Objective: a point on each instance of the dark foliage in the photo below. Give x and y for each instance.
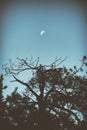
(55, 98)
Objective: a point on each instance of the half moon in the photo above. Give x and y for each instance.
(42, 32)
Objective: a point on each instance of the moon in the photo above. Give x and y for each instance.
(42, 33)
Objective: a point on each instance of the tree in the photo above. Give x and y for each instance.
(58, 94)
(18, 109)
(4, 120)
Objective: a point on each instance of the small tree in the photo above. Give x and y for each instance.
(59, 94)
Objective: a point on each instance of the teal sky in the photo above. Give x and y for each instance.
(64, 33)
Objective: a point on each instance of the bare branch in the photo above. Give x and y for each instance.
(21, 82)
(83, 63)
(61, 61)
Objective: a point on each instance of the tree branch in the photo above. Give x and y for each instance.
(67, 110)
(47, 94)
(21, 82)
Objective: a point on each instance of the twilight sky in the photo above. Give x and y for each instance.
(64, 32)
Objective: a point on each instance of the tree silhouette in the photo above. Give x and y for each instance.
(4, 119)
(55, 97)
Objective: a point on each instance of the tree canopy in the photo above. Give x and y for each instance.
(55, 98)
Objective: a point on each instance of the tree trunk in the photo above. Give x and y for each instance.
(42, 111)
